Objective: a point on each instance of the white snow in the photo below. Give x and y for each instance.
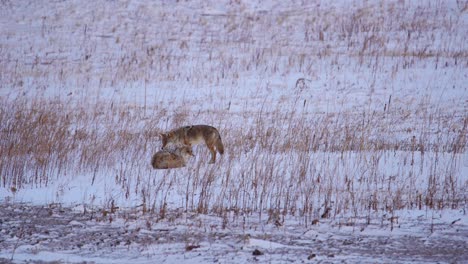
(369, 132)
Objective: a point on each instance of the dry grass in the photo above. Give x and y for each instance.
(284, 163)
(206, 48)
(279, 160)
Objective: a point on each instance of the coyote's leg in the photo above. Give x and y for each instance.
(213, 154)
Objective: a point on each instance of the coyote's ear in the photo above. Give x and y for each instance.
(162, 135)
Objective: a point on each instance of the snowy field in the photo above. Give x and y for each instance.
(344, 123)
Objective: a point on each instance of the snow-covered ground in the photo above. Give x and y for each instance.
(355, 108)
(55, 233)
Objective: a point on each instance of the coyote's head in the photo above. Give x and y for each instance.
(169, 138)
(186, 152)
(165, 138)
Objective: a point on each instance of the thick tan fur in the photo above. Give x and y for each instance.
(169, 159)
(193, 135)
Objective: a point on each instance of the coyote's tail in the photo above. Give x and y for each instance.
(219, 145)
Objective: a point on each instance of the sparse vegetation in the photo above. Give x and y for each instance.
(302, 152)
(340, 120)
(284, 163)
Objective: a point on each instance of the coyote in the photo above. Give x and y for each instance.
(193, 135)
(168, 159)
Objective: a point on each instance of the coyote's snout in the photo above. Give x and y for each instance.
(169, 159)
(192, 135)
